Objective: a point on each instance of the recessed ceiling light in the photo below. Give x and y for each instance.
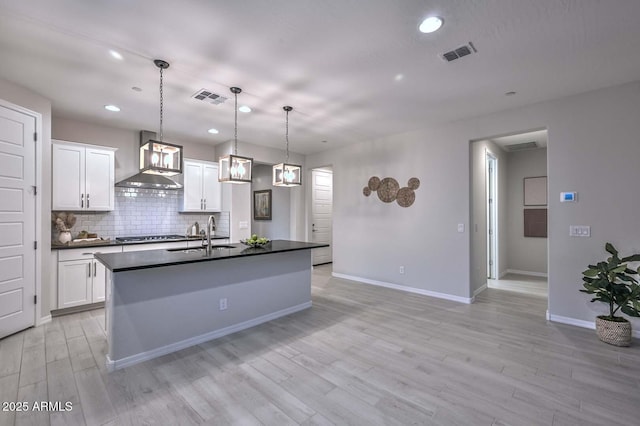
(323, 141)
(399, 77)
(244, 108)
(510, 93)
(116, 55)
(112, 108)
(136, 89)
(431, 24)
(213, 131)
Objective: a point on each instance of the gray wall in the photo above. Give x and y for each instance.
(524, 253)
(593, 149)
(479, 211)
(278, 226)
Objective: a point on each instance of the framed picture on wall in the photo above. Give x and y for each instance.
(535, 191)
(262, 205)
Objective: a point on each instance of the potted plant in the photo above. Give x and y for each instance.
(613, 282)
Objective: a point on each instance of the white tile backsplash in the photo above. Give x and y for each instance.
(144, 212)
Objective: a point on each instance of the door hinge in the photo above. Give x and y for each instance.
(35, 299)
(35, 136)
(35, 245)
(35, 190)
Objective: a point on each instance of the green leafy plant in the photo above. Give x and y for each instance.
(613, 282)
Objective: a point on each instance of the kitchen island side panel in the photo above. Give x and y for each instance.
(152, 310)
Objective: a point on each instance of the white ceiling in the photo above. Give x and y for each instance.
(334, 61)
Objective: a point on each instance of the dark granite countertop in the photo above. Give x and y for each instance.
(112, 243)
(118, 262)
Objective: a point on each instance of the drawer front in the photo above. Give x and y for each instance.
(85, 253)
(153, 246)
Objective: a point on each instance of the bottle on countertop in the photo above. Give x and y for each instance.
(195, 229)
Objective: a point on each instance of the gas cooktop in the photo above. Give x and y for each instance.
(143, 238)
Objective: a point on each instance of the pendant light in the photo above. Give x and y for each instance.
(285, 174)
(159, 157)
(233, 168)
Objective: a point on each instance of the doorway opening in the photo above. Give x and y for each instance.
(508, 251)
(322, 214)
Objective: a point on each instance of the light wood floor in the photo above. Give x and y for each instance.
(535, 286)
(362, 355)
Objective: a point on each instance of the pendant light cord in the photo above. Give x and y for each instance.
(235, 149)
(161, 102)
(287, 135)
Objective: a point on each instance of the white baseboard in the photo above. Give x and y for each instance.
(580, 323)
(117, 364)
(44, 320)
(445, 296)
(519, 272)
(479, 290)
(503, 273)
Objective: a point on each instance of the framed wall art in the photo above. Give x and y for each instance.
(262, 205)
(535, 191)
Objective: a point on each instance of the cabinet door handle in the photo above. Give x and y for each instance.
(87, 200)
(205, 204)
(95, 268)
(200, 203)
(82, 201)
(89, 265)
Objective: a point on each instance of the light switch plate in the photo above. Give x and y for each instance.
(579, 231)
(461, 227)
(243, 225)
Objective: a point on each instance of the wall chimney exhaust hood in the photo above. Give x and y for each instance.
(166, 154)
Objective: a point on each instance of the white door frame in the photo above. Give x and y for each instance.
(38, 207)
(491, 190)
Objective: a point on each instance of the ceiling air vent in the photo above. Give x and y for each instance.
(461, 51)
(209, 96)
(521, 146)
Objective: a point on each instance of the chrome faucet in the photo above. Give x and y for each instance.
(211, 223)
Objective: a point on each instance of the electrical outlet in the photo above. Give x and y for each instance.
(223, 303)
(402, 269)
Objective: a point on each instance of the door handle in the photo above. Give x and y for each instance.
(95, 268)
(205, 204)
(201, 204)
(87, 200)
(89, 265)
(82, 201)
(313, 227)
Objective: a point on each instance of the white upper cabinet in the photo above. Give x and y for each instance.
(83, 177)
(202, 191)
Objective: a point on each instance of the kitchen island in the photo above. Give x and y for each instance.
(161, 301)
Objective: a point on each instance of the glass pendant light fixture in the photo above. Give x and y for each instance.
(234, 168)
(159, 157)
(285, 174)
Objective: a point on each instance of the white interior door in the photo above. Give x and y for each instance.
(492, 215)
(321, 216)
(17, 221)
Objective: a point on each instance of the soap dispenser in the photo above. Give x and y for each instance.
(195, 229)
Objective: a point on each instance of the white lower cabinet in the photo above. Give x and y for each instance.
(81, 278)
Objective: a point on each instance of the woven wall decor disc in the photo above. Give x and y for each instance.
(366, 191)
(388, 190)
(374, 183)
(414, 183)
(405, 197)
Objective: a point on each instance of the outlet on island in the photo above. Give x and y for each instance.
(223, 303)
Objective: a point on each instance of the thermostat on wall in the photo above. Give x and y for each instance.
(568, 197)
